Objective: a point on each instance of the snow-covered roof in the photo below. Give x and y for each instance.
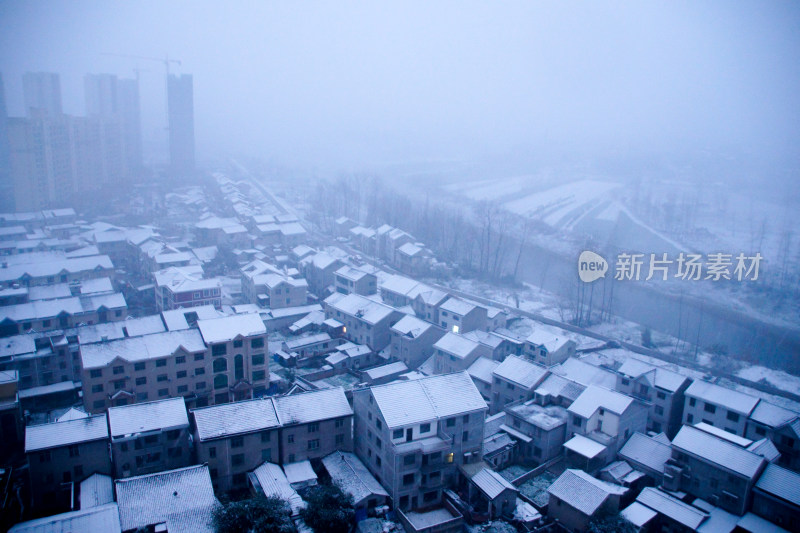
(404, 403)
(142, 348)
(132, 327)
(638, 514)
(103, 518)
(457, 306)
(732, 400)
(457, 345)
(752, 522)
(96, 490)
(781, 483)
(143, 417)
(57, 434)
(378, 372)
(766, 449)
(585, 374)
(772, 415)
(544, 417)
(582, 491)
(183, 499)
(235, 418)
(725, 435)
(491, 483)
(350, 474)
(584, 446)
(75, 305)
(521, 371)
(429, 295)
(312, 406)
(362, 308)
(482, 369)
(73, 413)
(299, 472)
(409, 249)
(351, 273)
(273, 482)
(399, 284)
(718, 451)
(56, 265)
(227, 328)
(411, 326)
(549, 337)
(594, 398)
(666, 505)
(175, 319)
(647, 451)
(486, 338)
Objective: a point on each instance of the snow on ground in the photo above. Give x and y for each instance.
(776, 378)
(558, 206)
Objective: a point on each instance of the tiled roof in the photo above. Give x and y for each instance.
(104, 518)
(582, 491)
(718, 451)
(56, 434)
(147, 416)
(312, 406)
(520, 371)
(133, 349)
(736, 401)
(182, 498)
(227, 328)
(673, 508)
(646, 451)
(96, 490)
(781, 483)
(347, 471)
(235, 418)
(772, 415)
(456, 345)
(491, 483)
(594, 398)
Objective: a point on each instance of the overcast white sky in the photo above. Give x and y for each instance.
(345, 82)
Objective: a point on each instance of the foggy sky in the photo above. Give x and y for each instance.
(324, 83)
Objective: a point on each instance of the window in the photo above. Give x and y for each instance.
(97, 388)
(692, 402)
(340, 423)
(659, 410)
(465, 419)
(761, 430)
(451, 422)
(162, 378)
(119, 370)
(690, 418)
(183, 388)
(237, 459)
(313, 444)
(290, 439)
(212, 452)
(78, 471)
(509, 386)
(163, 392)
(220, 381)
(99, 404)
(339, 440)
(44, 457)
(219, 349)
(537, 452)
(424, 428)
(448, 458)
(200, 385)
(139, 366)
(237, 442)
(265, 436)
(378, 423)
(733, 417)
(577, 421)
(161, 362)
(238, 366)
(257, 342)
(465, 436)
(661, 396)
(409, 459)
(199, 371)
(378, 442)
(408, 479)
(237, 343)
(258, 359)
(118, 384)
(141, 396)
(199, 356)
(430, 496)
(181, 359)
(710, 408)
(181, 374)
(313, 427)
(141, 381)
(266, 454)
(397, 434)
(378, 460)
(220, 365)
(259, 375)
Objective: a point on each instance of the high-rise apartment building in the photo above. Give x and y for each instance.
(180, 107)
(42, 93)
(6, 187)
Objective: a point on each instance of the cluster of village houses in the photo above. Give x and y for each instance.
(309, 358)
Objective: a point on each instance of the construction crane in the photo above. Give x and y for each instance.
(166, 60)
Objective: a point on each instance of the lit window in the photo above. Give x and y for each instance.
(455, 329)
(449, 458)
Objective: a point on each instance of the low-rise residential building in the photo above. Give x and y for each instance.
(234, 438)
(662, 389)
(714, 469)
(149, 437)
(606, 417)
(500, 346)
(427, 301)
(11, 427)
(178, 287)
(365, 321)
(349, 356)
(279, 291)
(540, 431)
(576, 497)
(549, 346)
(454, 353)
(349, 473)
(412, 435)
(514, 380)
(100, 518)
(311, 345)
(319, 269)
(659, 511)
(177, 500)
(776, 497)
(459, 316)
(351, 280)
(413, 339)
(481, 373)
(61, 313)
(400, 291)
(269, 480)
(62, 453)
(647, 454)
(53, 268)
(781, 426)
(718, 406)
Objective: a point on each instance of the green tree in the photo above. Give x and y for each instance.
(329, 510)
(257, 515)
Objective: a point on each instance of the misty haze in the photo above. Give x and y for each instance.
(399, 266)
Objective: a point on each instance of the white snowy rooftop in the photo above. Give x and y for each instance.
(594, 398)
(585, 374)
(520, 371)
(582, 491)
(352, 476)
(405, 403)
(273, 482)
(647, 451)
(103, 518)
(584, 446)
(732, 400)
(411, 326)
(457, 345)
(312, 406)
(457, 306)
(664, 504)
(224, 329)
(482, 369)
(235, 418)
(142, 348)
(362, 308)
(147, 416)
(718, 451)
(549, 337)
(56, 434)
